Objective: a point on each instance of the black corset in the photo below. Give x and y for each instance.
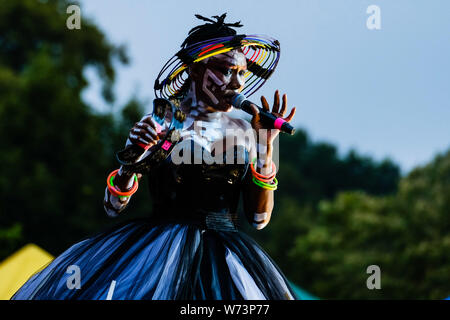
(206, 195)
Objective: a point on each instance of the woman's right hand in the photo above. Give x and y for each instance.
(145, 132)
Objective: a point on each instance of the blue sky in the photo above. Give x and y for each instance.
(382, 92)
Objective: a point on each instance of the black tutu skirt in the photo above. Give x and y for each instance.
(161, 262)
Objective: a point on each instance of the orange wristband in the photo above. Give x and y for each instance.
(114, 190)
(265, 178)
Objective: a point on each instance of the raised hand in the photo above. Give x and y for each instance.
(257, 124)
(145, 132)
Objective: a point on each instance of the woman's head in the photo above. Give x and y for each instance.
(215, 80)
(215, 63)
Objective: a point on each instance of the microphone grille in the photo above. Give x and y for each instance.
(237, 100)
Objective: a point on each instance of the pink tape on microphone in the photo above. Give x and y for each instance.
(278, 123)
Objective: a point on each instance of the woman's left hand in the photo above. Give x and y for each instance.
(257, 124)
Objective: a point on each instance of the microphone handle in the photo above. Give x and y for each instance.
(268, 118)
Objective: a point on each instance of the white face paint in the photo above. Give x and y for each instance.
(192, 95)
(213, 82)
(209, 75)
(233, 58)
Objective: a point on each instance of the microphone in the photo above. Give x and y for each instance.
(240, 101)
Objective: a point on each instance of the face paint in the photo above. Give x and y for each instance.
(221, 77)
(214, 81)
(192, 95)
(233, 58)
(209, 75)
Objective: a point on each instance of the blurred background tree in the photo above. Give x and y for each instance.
(406, 234)
(56, 151)
(334, 215)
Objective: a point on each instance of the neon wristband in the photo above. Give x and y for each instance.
(115, 191)
(259, 175)
(267, 186)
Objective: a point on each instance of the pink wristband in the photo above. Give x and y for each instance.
(278, 123)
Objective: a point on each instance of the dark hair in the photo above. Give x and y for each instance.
(171, 83)
(211, 30)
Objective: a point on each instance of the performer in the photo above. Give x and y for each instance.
(190, 247)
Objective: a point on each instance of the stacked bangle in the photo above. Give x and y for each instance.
(272, 186)
(115, 191)
(264, 178)
(265, 181)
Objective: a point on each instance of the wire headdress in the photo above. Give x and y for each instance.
(212, 38)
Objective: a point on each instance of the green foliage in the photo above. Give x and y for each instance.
(55, 151)
(405, 234)
(9, 238)
(311, 171)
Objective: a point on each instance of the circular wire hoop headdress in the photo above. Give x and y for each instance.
(262, 55)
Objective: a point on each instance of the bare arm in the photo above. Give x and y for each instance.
(144, 132)
(259, 202)
(114, 205)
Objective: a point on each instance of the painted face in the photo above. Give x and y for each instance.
(219, 79)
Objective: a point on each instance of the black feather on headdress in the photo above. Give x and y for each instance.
(210, 30)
